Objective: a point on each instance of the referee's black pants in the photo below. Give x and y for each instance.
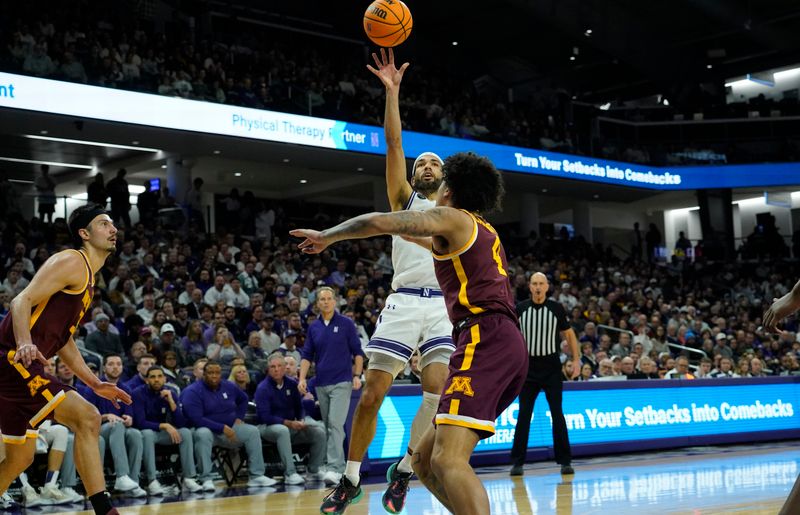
(544, 373)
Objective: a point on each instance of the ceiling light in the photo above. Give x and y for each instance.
(587, 32)
(605, 107)
(50, 163)
(20, 181)
(595, 196)
(455, 43)
(544, 190)
(90, 143)
(285, 159)
(42, 132)
(163, 166)
(134, 142)
(238, 174)
(709, 66)
(303, 181)
(572, 58)
(216, 152)
(360, 169)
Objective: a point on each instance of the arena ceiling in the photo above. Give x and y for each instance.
(621, 48)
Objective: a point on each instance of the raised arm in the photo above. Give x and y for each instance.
(398, 188)
(450, 229)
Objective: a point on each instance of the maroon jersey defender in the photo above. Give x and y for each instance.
(29, 396)
(488, 368)
(490, 363)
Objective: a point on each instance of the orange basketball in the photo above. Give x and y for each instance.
(387, 22)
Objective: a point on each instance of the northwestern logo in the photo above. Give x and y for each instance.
(7, 91)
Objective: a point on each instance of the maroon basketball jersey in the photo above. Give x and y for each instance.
(474, 278)
(53, 320)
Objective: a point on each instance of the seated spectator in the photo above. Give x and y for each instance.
(704, 369)
(648, 368)
(192, 344)
(124, 440)
(224, 349)
(103, 341)
(269, 340)
(628, 370)
(725, 368)
(142, 366)
(742, 368)
(566, 370)
(681, 370)
(173, 373)
(167, 343)
(586, 372)
(216, 409)
(161, 421)
(197, 369)
(606, 368)
(289, 345)
(241, 378)
(281, 420)
(291, 367)
(254, 355)
(757, 368)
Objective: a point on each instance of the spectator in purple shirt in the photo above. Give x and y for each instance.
(216, 408)
(157, 414)
(332, 344)
(281, 421)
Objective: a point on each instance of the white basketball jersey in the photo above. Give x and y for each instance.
(413, 265)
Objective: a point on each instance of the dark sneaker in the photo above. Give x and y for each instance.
(517, 470)
(394, 498)
(341, 497)
(567, 469)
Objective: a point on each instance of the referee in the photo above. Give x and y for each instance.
(544, 325)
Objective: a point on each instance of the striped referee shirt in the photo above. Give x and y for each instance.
(541, 325)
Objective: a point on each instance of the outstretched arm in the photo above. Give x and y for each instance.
(781, 308)
(450, 227)
(397, 187)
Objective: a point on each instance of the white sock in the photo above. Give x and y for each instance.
(422, 421)
(405, 463)
(352, 472)
(54, 479)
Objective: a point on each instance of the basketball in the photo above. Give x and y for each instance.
(387, 22)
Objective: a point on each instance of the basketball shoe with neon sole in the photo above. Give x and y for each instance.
(341, 497)
(394, 498)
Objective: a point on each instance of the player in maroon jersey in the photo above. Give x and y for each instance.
(489, 366)
(40, 324)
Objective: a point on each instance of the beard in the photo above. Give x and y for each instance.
(427, 188)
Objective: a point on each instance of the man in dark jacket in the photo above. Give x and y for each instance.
(281, 420)
(216, 408)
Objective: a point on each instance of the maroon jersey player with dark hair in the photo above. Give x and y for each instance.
(40, 324)
(488, 368)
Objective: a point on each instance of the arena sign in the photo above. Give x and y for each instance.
(64, 98)
(628, 415)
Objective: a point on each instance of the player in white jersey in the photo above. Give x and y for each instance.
(413, 319)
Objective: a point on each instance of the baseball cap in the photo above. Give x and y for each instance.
(166, 328)
(721, 336)
(290, 332)
(101, 316)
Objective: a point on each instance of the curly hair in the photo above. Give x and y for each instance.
(475, 183)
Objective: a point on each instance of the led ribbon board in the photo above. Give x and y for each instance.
(65, 98)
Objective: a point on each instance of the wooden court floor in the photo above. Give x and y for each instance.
(697, 481)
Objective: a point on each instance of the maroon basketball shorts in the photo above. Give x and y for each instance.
(487, 372)
(27, 398)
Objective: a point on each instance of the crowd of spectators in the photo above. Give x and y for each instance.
(113, 47)
(177, 299)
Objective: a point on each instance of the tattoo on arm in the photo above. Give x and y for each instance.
(407, 223)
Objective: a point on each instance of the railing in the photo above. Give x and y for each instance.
(615, 329)
(690, 350)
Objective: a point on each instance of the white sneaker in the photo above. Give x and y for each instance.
(125, 484)
(7, 502)
(208, 486)
(155, 488)
(191, 485)
(73, 495)
(31, 498)
(259, 481)
(332, 478)
(136, 492)
(294, 479)
(51, 493)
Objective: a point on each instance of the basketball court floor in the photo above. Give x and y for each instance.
(741, 480)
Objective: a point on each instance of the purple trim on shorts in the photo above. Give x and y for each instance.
(440, 341)
(392, 346)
